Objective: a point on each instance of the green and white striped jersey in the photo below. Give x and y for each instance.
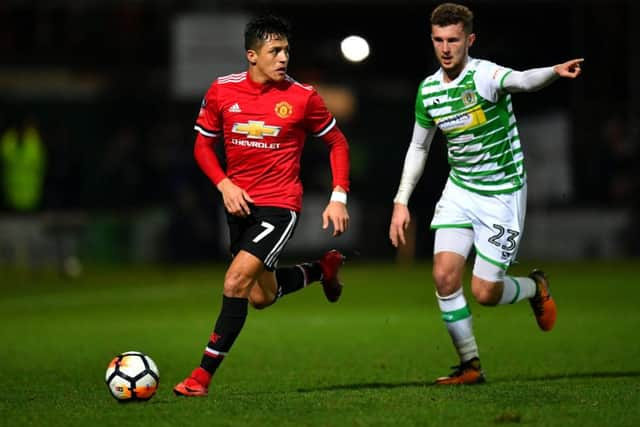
(476, 116)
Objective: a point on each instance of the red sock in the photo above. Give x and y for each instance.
(202, 376)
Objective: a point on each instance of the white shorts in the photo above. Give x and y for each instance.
(497, 221)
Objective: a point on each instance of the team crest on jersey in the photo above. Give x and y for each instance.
(469, 97)
(283, 109)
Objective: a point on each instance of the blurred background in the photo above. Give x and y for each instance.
(98, 100)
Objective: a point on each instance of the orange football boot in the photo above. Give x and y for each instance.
(467, 373)
(542, 304)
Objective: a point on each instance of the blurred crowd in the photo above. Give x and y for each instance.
(88, 122)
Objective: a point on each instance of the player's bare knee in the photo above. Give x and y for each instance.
(447, 280)
(237, 285)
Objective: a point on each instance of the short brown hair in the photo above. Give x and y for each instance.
(451, 14)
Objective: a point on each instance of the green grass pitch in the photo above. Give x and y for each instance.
(368, 360)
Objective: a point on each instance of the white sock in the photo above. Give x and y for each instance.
(516, 289)
(457, 317)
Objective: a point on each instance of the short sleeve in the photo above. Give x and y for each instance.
(422, 118)
(489, 79)
(208, 122)
(318, 119)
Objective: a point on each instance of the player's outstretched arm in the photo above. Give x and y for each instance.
(538, 78)
(570, 69)
(336, 212)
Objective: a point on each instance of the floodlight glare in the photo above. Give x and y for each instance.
(354, 48)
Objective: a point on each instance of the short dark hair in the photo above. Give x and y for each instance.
(452, 14)
(259, 29)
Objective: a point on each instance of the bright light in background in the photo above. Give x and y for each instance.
(354, 48)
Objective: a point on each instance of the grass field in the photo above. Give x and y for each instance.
(368, 360)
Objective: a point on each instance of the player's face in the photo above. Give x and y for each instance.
(270, 60)
(451, 46)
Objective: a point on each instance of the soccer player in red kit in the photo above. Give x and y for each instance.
(263, 116)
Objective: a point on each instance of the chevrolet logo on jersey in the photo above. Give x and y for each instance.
(255, 129)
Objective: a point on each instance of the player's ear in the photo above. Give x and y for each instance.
(252, 56)
(471, 38)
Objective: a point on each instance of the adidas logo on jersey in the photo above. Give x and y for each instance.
(235, 108)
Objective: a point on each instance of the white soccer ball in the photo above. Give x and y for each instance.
(132, 376)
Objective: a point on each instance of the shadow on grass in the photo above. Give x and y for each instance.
(556, 377)
(571, 375)
(363, 386)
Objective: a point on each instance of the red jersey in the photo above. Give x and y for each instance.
(264, 128)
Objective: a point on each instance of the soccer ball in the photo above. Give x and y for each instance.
(132, 376)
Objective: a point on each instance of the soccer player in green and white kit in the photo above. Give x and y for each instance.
(484, 200)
